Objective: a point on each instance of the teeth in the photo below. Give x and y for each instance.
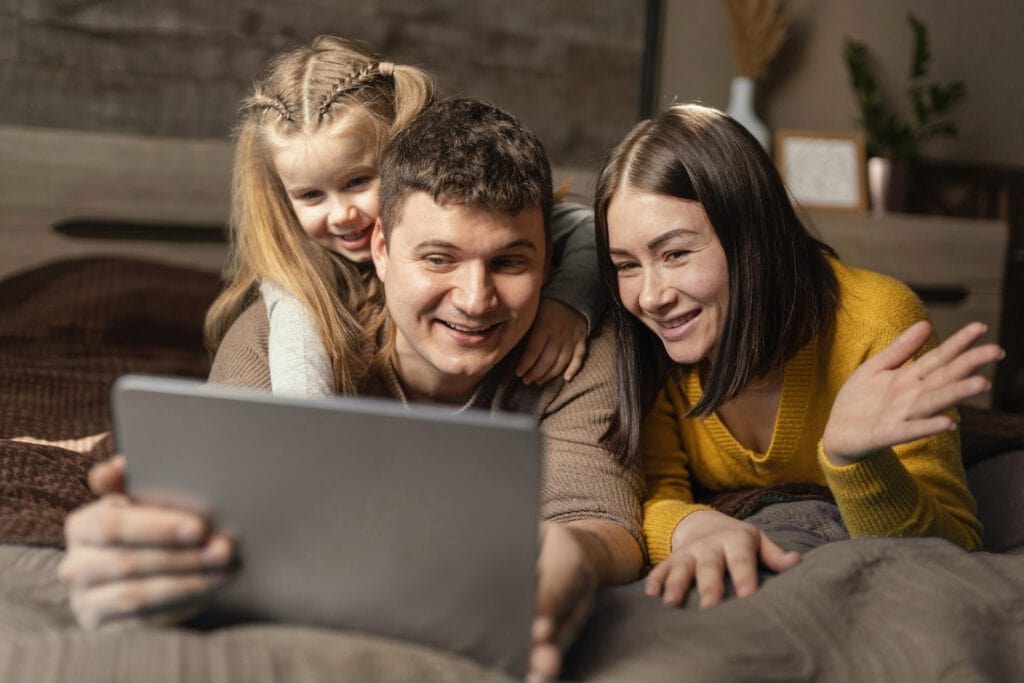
(469, 330)
(353, 236)
(676, 322)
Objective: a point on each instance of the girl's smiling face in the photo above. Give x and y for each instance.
(331, 179)
(672, 271)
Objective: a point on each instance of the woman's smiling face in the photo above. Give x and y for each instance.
(672, 271)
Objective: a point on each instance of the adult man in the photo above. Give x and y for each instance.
(461, 248)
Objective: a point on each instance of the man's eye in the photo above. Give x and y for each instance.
(437, 260)
(510, 263)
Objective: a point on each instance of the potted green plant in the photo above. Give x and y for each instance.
(894, 140)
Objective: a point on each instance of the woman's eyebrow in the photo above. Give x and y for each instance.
(666, 236)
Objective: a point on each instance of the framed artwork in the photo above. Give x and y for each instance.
(823, 169)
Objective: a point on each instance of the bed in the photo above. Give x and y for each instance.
(72, 321)
(869, 609)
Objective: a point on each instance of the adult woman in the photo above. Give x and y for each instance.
(779, 364)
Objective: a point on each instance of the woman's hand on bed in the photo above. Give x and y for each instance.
(126, 559)
(888, 401)
(707, 545)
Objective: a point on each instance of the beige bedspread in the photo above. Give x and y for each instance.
(866, 610)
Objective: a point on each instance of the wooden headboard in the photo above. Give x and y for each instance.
(48, 176)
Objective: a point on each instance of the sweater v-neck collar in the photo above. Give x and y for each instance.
(789, 419)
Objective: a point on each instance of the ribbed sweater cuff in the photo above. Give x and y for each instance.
(876, 495)
(660, 520)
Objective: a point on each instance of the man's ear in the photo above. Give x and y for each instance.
(379, 250)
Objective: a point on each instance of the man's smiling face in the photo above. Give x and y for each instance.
(462, 286)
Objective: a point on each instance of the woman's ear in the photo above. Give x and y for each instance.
(379, 250)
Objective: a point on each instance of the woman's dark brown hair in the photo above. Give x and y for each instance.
(781, 288)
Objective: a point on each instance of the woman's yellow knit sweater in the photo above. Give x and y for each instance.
(913, 489)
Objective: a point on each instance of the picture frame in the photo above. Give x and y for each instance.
(823, 170)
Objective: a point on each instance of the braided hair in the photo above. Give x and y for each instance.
(307, 90)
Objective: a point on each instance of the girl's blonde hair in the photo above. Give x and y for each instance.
(306, 90)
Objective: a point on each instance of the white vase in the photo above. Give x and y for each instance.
(879, 182)
(741, 108)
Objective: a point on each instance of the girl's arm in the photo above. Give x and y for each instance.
(573, 299)
(299, 364)
(574, 279)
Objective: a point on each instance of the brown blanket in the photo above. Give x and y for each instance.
(67, 331)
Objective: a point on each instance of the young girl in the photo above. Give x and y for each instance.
(305, 203)
(776, 363)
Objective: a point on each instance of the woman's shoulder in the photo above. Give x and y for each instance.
(871, 303)
(868, 281)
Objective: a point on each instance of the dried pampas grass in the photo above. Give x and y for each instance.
(757, 29)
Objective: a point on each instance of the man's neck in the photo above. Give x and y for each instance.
(419, 388)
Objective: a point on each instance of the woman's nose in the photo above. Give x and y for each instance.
(655, 293)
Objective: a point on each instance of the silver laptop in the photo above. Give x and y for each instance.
(354, 513)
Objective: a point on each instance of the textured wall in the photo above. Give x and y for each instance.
(569, 68)
(808, 86)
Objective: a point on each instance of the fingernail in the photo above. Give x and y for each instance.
(190, 531)
(543, 629)
(217, 553)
